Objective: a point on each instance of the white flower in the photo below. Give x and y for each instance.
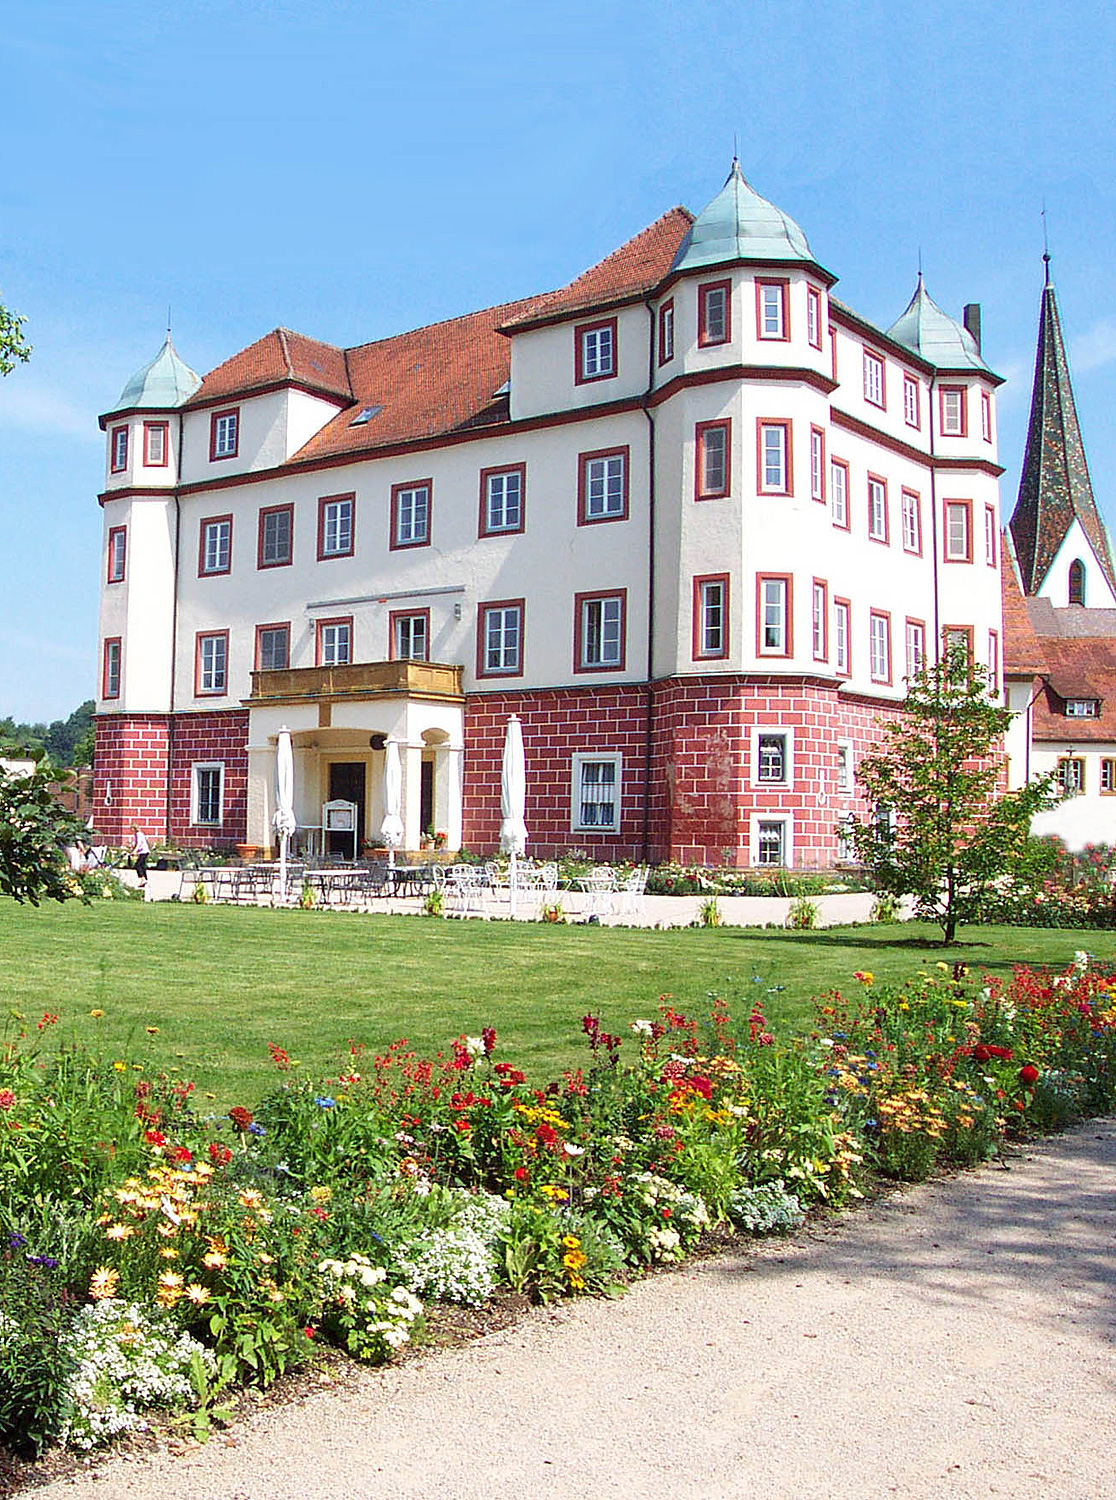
(571, 1150)
(825, 1041)
(474, 1046)
(1081, 960)
(643, 1028)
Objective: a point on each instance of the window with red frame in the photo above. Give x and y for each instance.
(713, 447)
(772, 312)
(117, 553)
(912, 413)
(912, 523)
(118, 450)
(711, 617)
(714, 313)
(874, 388)
(666, 332)
(154, 445)
(595, 351)
(953, 410)
(110, 672)
(817, 465)
(813, 317)
(958, 531)
(879, 641)
(224, 434)
(986, 416)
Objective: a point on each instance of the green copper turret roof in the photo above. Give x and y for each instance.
(929, 331)
(165, 382)
(1054, 487)
(740, 225)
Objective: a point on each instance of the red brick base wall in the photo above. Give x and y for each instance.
(130, 775)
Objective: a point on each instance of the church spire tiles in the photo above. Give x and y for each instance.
(1054, 489)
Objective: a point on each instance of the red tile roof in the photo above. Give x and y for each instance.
(1023, 650)
(1078, 668)
(278, 357)
(629, 272)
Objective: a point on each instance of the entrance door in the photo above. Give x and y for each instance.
(346, 784)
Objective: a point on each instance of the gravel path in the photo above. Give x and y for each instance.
(954, 1341)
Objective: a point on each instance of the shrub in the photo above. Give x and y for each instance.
(35, 1360)
(766, 1210)
(361, 1313)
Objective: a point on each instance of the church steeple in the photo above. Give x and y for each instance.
(1055, 488)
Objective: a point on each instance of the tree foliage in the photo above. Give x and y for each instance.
(14, 348)
(941, 828)
(68, 742)
(34, 830)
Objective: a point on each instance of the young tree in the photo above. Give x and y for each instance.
(14, 348)
(940, 830)
(34, 830)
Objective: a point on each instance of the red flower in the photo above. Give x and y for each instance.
(521, 1174)
(154, 1137)
(309, 1330)
(280, 1058)
(219, 1155)
(488, 1037)
(1028, 1075)
(240, 1117)
(7, 1098)
(182, 1153)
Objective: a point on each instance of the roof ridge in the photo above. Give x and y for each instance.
(388, 338)
(679, 208)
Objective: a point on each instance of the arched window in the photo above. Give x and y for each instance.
(1077, 582)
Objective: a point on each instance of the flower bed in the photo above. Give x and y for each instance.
(155, 1256)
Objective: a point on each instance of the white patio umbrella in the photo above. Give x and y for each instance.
(284, 820)
(513, 801)
(391, 829)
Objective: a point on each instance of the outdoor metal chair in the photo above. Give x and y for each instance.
(631, 895)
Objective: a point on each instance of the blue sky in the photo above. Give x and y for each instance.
(354, 169)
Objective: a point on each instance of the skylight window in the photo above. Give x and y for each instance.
(365, 415)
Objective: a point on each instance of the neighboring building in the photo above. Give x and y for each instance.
(690, 517)
(1060, 610)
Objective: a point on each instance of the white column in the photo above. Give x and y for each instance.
(412, 794)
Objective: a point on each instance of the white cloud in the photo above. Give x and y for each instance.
(26, 405)
(1097, 347)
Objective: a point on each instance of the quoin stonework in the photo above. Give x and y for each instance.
(690, 517)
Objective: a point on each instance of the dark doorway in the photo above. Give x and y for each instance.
(426, 798)
(346, 784)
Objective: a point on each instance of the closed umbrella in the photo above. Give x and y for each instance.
(513, 801)
(391, 829)
(284, 820)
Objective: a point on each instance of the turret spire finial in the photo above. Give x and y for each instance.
(1045, 245)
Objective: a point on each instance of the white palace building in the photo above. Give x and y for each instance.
(692, 519)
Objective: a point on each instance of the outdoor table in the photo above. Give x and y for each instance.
(599, 887)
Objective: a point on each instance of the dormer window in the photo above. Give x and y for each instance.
(118, 450)
(595, 351)
(1082, 708)
(224, 434)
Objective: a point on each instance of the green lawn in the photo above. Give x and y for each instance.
(220, 983)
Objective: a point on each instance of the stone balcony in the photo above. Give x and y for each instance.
(357, 681)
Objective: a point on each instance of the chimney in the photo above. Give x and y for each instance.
(971, 319)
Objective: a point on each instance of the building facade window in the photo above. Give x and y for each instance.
(874, 390)
(916, 647)
(595, 351)
(273, 647)
(335, 526)
(771, 842)
(879, 641)
(839, 493)
(595, 800)
(711, 603)
(713, 447)
(772, 310)
(817, 465)
(502, 500)
(842, 614)
(776, 476)
(211, 669)
(410, 514)
(912, 405)
(773, 615)
(1071, 775)
(666, 332)
(224, 434)
(714, 313)
(599, 631)
(1107, 776)
(110, 667)
(990, 548)
(155, 445)
(986, 416)
(819, 619)
(993, 661)
(275, 542)
(813, 317)
(957, 638)
(207, 793)
(117, 553)
(409, 635)
(958, 531)
(602, 486)
(215, 545)
(774, 757)
(878, 527)
(912, 523)
(500, 638)
(118, 450)
(953, 411)
(1082, 708)
(334, 642)
(845, 768)
(1077, 582)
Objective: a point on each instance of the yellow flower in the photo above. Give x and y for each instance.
(944, 967)
(571, 1241)
(250, 1198)
(168, 1289)
(120, 1067)
(119, 1231)
(321, 1194)
(103, 1282)
(168, 1252)
(152, 1030)
(96, 1014)
(197, 1294)
(215, 1260)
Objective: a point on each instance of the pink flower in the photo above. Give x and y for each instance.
(7, 1098)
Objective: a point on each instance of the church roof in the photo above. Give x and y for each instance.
(163, 383)
(1054, 488)
(740, 225)
(929, 331)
